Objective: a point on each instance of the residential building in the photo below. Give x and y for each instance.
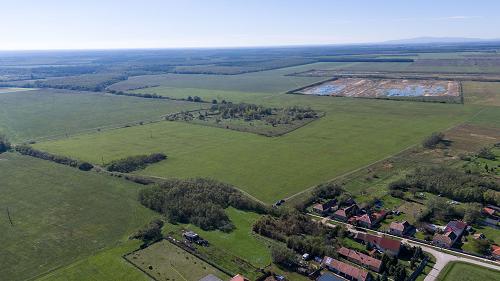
(346, 270)
(361, 259)
(368, 220)
(239, 278)
(325, 207)
(345, 213)
(382, 243)
(400, 228)
(495, 251)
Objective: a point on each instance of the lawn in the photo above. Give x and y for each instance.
(40, 113)
(354, 132)
(241, 242)
(166, 261)
(60, 215)
(458, 271)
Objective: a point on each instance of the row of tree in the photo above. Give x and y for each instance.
(198, 201)
(451, 183)
(133, 163)
(28, 150)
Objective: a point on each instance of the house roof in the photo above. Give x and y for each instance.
(401, 226)
(239, 278)
(360, 257)
(379, 215)
(495, 250)
(447, 238)
(346, 269)
(330, 277)
(489, 211)
(455, 226)
(340, 212)
(382, 242)
(319, 206)
(365, 218)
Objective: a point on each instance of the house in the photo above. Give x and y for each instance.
(210, 277)
(324, 208)
(445, 240)
(368, 220)
(330, 277)
(456, 227)
(345, 213)
(346, 270)
(400, 228)
(361, 259)
(495, 251)
(488, 212)
(382, 243)
(239, 278)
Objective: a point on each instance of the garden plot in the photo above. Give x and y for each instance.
(384, 88)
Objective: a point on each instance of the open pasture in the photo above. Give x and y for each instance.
(60, 215)
(353, 133)
(386, 88)
(459, 271)
(57, 113)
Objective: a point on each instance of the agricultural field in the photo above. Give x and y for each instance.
(59, 215)
(165, 261)
(467, 272)
(352, 133)
(483, 93)
(43, 113)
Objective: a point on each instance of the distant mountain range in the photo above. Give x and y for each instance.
(427, 40)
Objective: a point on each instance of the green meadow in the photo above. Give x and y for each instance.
(54, 113)
(60, 215)
(353, 133)
(459, 271)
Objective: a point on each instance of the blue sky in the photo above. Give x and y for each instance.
(69, 24)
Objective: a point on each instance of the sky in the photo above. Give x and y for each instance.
(110, 24)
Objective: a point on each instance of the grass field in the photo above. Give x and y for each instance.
(458, 271)
(241, 242)
(483, 93)
(60, 215)
(166, 261)
(106, 265)
(353, 133)
(40, 113)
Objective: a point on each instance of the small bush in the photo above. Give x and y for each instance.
(85, 166)
(433, 140)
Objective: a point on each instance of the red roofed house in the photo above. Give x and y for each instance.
(346, 270)
(488, 211)
(324, 208)
(400, 228)
(345, 213)
(239, 278)
(452, 232)
(385, 244)
(369, 221)
(495, 251)
(361, 259)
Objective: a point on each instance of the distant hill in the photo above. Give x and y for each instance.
(427, 40)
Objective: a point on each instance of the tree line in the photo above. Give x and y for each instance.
(133, 163)
(198, 201)
(28, 150)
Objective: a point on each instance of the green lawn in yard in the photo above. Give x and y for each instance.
(60, 215)
(459, 271)
(166, 261)
(241, 242)
(354, 132)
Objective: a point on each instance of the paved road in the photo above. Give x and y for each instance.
(442, 258)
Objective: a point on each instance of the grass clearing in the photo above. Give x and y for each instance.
(60, 215)
(459, 271)
(483, 93)
(166, 261)
(353, 133)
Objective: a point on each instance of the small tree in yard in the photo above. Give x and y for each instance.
(433, 140)
(283, 256)
(150, 232)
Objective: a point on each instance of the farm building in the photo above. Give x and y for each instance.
(400, 228)
(361, 259)
(385, 244)
(346, 270)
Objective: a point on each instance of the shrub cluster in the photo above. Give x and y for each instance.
(197, 201)
(451, 183)
(150, 232)
(134, 163)
(4, 144)
(433, 140)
